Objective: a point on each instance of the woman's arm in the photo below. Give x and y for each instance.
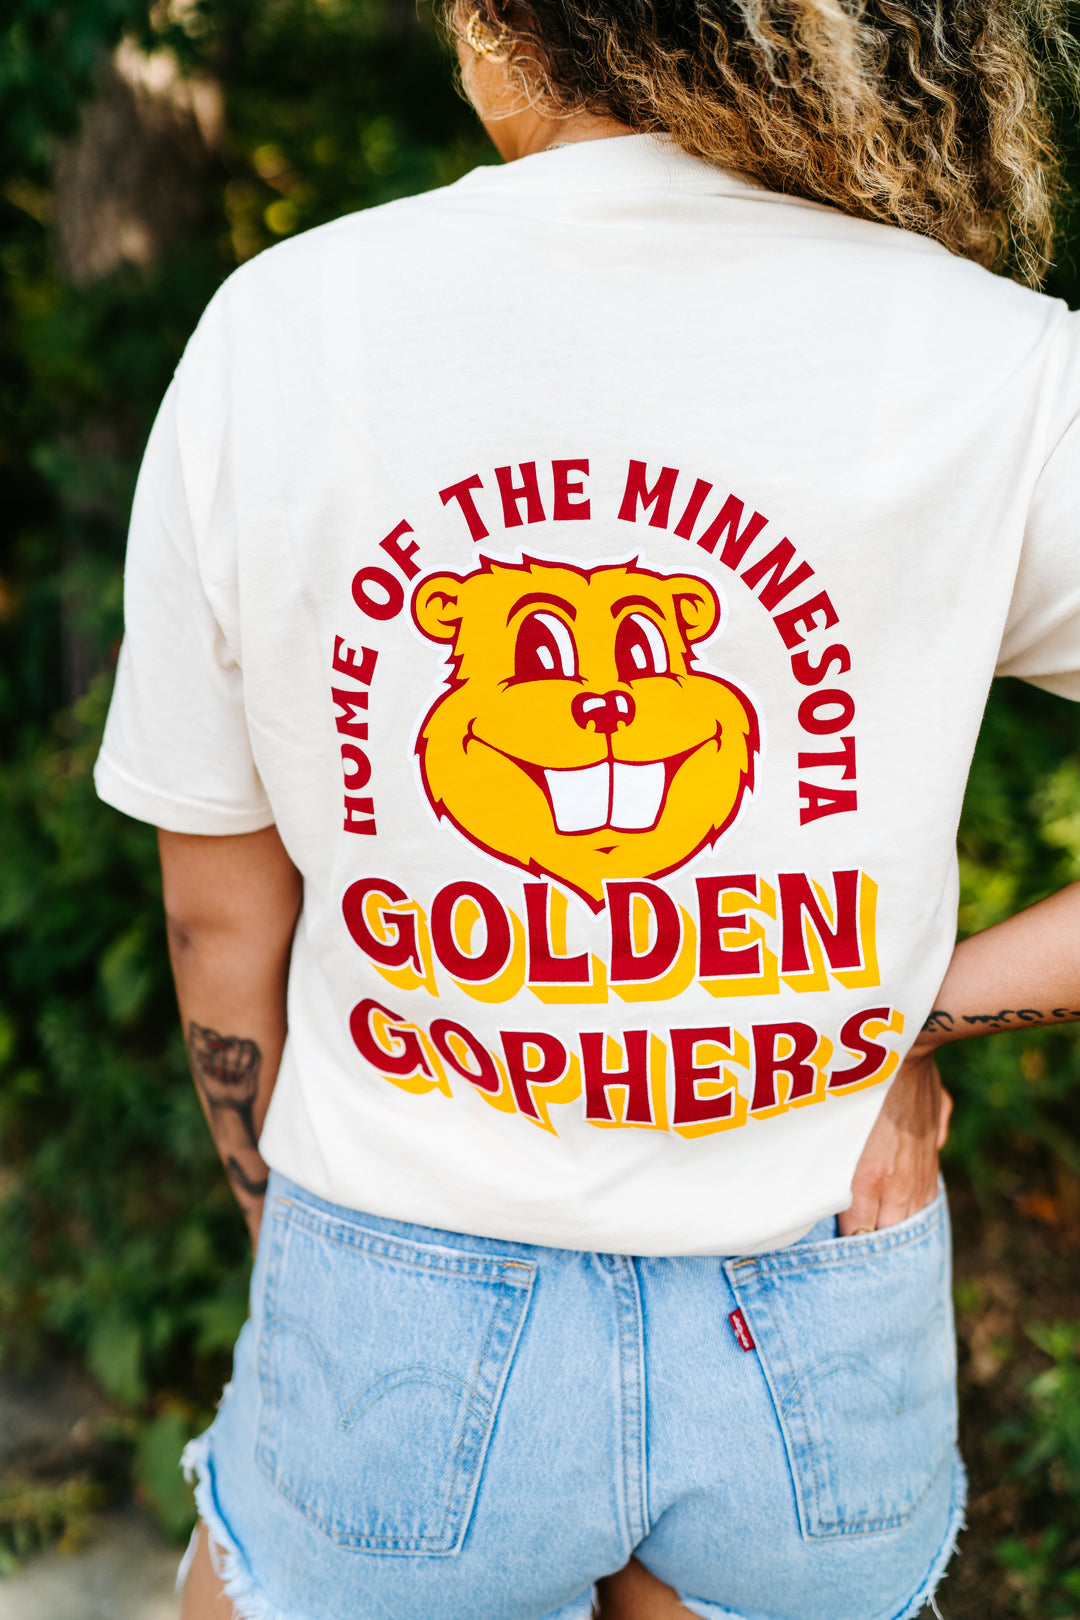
(231, 906)
(1021, 972)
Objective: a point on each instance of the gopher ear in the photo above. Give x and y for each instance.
(697, 606)
(436, 606)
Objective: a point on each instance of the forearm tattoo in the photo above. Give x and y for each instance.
(945, 1022)
(226, 1070)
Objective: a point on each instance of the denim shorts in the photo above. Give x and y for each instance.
(428, 1426)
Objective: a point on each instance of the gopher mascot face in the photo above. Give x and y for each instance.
(576, 738)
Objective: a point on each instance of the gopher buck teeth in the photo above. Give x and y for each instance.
(611, 794)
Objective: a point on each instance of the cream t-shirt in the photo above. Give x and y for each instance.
(596, 570)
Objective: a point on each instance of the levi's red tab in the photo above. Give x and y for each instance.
(741, 1331)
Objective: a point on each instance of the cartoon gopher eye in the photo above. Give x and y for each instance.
(544, 650)
(640, 648)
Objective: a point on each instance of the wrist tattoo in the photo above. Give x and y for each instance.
(226, 1070)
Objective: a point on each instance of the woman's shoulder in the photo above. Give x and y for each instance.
(373, 260)
(398, 225)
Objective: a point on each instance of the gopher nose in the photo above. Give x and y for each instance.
(605, 712)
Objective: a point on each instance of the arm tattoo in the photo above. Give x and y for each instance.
(240, 1178)
(226, 1070)
(939, 1019)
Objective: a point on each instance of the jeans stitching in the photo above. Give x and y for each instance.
(404, 1252)
(804, 1446)
(631, 1379)
(794, 1429)
(501, 1300)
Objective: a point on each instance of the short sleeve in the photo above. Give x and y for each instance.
(176, 750)
(1041, 643)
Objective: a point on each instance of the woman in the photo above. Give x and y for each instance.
(560, 612)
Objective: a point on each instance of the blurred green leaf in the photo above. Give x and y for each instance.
(114, 1356)
(127, 975)
(158, 1476)
(218, 1323)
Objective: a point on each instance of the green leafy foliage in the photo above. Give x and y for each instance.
(119, 1240)
(1045, 1566)
(1043, 1589)
(1053, 1402)
(157, 1473)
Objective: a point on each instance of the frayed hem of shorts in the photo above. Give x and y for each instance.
(925, 1595)
(229, 1564)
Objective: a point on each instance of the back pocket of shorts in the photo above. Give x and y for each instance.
(381, 1366)
(856, 1340)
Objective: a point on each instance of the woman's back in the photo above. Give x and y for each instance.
(617, 556)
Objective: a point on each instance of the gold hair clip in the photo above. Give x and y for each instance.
(479, 37)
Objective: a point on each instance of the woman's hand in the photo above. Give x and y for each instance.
(1020, 973)
(898, 1172)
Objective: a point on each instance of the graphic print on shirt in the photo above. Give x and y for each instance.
(581, 740)
(578, 738)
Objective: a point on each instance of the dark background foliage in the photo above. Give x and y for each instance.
(145, 150)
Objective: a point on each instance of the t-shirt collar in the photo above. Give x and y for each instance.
(615, 162)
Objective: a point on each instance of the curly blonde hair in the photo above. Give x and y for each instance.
(933, 115)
